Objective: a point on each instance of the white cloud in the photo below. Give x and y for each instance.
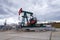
(12, 20)
(42, 9)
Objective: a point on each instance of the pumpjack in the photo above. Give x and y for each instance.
(31, 22)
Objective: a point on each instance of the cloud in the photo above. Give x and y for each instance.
(42, 9)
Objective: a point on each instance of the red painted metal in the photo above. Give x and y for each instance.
(20, 11)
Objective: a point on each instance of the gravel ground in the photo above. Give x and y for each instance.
(14, 35)
(56, 35)
(10, 35)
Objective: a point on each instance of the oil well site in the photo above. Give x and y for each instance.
(29, 19)
(29, 23)
(30, 30)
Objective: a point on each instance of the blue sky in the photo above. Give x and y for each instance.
(44, 10)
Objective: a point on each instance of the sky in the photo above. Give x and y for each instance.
(43, 10)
